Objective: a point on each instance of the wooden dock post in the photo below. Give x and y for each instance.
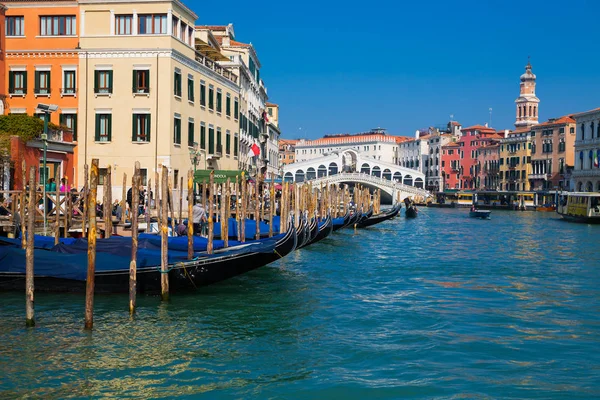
(223, 218)
(272, 207)
(67, 212)
(57, 212)
(238, 208)
(244, 195)
(29, 286)
(164, 234)
(23, 200)
(209, 247)
(85, 195)
(257, 207)
(124, 198)
(135, 201)
(227, 212)
(190, 219)
(180, 201)
(107, 207)
(91, 267)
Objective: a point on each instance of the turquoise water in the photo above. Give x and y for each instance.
(439, 307)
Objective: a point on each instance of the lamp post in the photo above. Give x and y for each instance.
(195, 155)
(46, 109)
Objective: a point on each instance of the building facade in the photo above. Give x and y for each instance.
(451, 165)
(414, 153)
(151, 92)
(376, 144)
(438, 138)
(487, 168)
(287, 151)
(552, 153)
(527, 104)
(586, 174)
(42, 66)
(470, 140)
(515, 160)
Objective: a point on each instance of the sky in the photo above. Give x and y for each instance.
(347, 67)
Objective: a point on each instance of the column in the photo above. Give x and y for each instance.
(82, 24)
(170, 22)
(112, 22)
(134, 23)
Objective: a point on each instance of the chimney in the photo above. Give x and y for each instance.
(486, 125)
(506, 131)
(417, 134)
(226, 41)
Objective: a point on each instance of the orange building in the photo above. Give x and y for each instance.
(41, 62)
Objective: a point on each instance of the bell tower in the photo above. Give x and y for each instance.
(527, 103)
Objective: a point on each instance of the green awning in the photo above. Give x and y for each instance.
(220, 175)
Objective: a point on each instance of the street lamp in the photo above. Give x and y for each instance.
(195, 155)
(46, 109)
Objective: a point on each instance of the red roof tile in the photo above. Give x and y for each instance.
(478, 128)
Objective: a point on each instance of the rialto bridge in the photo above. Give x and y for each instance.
(349, 167)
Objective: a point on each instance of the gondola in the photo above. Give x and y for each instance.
(339, 223)
(375, 219)
(313, 231)
(411, 212)
(354, 218)
(58, 272)
(325, 229)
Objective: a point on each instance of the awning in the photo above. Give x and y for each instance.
(220, 175)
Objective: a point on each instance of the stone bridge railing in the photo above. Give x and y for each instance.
(391, 187)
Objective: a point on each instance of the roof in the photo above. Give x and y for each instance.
(478, 128)
(566, 119)
(451, 144)
(455, 123)
(213, 27)
(235, 43)
(271, 104)
(401, 139)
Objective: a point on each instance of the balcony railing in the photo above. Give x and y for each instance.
(207, 62)
(140, 90)
(41, 92)
(537, 176)
(68, 92)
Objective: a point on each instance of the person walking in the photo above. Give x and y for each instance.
(198, 218)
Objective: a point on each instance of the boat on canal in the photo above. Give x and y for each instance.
(383, 216)
(481, 214)
(579, 207)
(411, 212)
(546, 208)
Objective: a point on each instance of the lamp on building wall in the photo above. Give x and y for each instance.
(195, 155)
(46, 109)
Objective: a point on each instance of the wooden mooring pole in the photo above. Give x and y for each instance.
(91, 268)
(23, 199)
(190, 218)
(164, 233)
(211, 184)
(135, 200)
(107, 207)
(29, 287)
(84, 195)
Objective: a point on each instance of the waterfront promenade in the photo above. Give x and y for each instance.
(407, 309)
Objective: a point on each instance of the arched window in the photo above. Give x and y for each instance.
(582, 132)
(519, 107)
(397, 177)
(288, 177)
(333, 168)
(387, 174)
(419, 183)
(299, 176)
(408, 180)
(321, 171)
(365, 169)
(535, 111)
(530, 114)
(377, 171)
(592, 129)
(310, 174)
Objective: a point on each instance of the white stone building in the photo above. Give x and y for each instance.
(586, 175)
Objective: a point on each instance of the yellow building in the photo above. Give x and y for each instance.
(151, 91)
(515, 160)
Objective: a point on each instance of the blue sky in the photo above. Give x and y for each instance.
(344, 66)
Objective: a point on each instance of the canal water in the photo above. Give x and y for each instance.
(442, 306)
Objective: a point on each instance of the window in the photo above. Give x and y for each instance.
(177, 83)
(270, 112)
(123, 24)
(571, 130)
(70, 121)
(177, 129)
(141, 128)
(152, 24)
(561, 145)
(219, 99)
(15, 26)
(235, 147)
(102, 172)
(227, 142)
(141, 81)
(219, 145)
(202, 93)
(211, 140)
(228, 105)
(202, 136)
(103, 82)
(561, 130)
(68, 83)
(211, 94)
(17, 82)
(42, 83)
(191, 88)
(191, 133)
(175, 178)
(235, 108)
(103, 127)
(58, 25)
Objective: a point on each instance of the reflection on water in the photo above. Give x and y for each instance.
(442, 306)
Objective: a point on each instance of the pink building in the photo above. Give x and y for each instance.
(451, 165)
(471, 139)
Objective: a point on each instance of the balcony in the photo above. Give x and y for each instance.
(140, 91)
(536, 176)
(210, 64)
(217, 154)
(68, 92)
(41, 92)
(103, 91)
(17, 92)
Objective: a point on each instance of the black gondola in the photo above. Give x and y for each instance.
(375, 219)
(411, 212)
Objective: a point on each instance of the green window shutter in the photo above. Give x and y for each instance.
(235, 147)
(110, 84)
(148, 127)
(61, 119)
(36, 81)
(203, 137)
(211, 141)
(96, 81)
(25, 82)
(49, 81)
(175, 83)
(133, 126)
(109, 116)
(228, 144)
(75, 127)
(11, 81)
(97, 134)
(134, 81)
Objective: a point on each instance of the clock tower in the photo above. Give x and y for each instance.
(527, 103)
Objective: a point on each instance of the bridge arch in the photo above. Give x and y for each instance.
(288, 177)
(397, 177)
(408, 180)
(310, 174)
(333, 168)
(387, 174)
(419, 183)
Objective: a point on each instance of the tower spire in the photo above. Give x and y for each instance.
(527, 102)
